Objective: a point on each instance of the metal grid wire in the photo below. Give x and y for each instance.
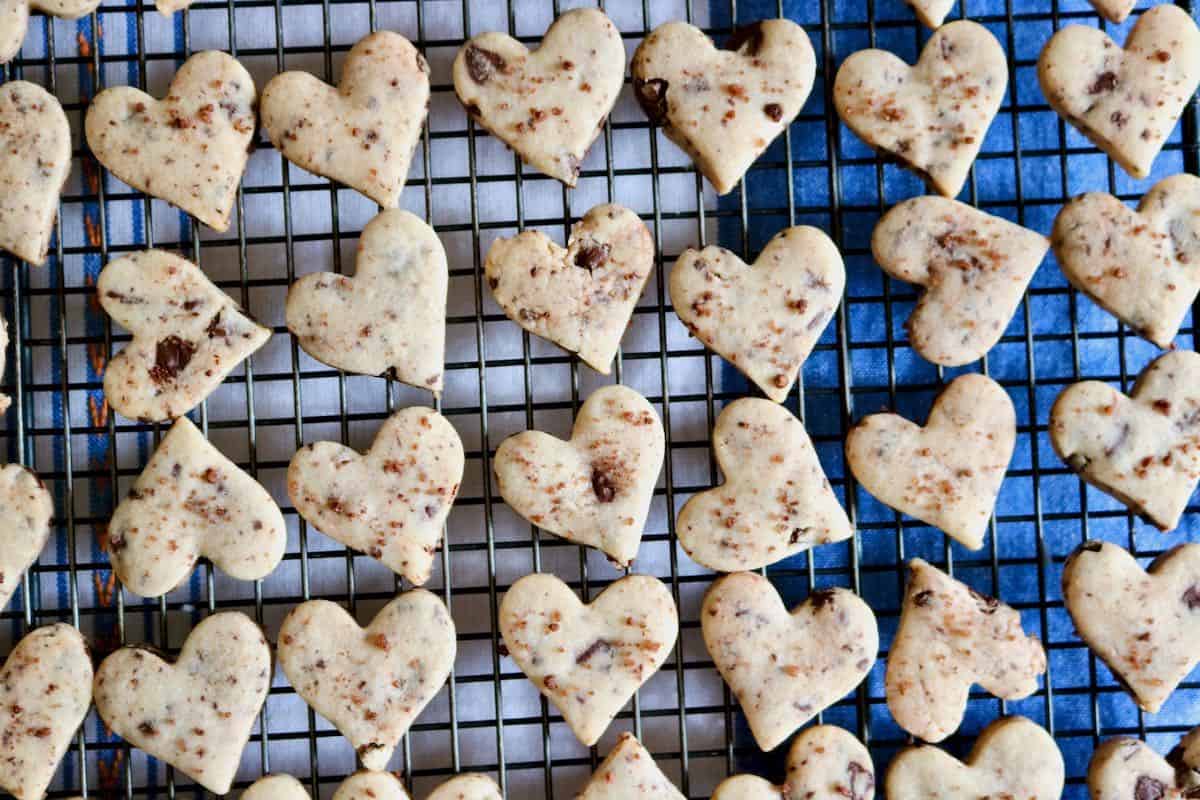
(489, 718)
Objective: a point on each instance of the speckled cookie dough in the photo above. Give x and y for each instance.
(825, 763)
(14, 20)
(550, 104)
(629, 771)
(45, 693)
(581, 297)
(370, 683)
(35, 159)
(1126, 101)
(197, 713)
(951, 637)
(1144, 448)
(187, 335)
(931, 13)
(932, 116)
(588, 660)
(189, 149)
(276, 787)
(1141, 266)
(390, 502)
(594, 489)
(724, 107)
(391, 316)
(786, 668)
(973, 267)
(26, 509)
(1127, 769)
(948, 473)
(763, 318)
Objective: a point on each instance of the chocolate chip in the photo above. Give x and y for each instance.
(214, 329)
(483, 64)
(592, 256)
(652, 97)
(592, 649)
(603, 486)
(147, 728)
(171, 355)
(860, 781)
(1148, 788)
(1191, 598)
(1105, 82)
(774, 111)
(822, 598)
(747, 40)
(987, 605)
(923, 598)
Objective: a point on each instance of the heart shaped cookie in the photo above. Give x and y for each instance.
(367, 785)
(951, 637)
(933, 116)
(35, 140)
(724, 107)
(1113, 10)
(26, 509)
(974, 269)
(548, 105)
(471, 786)
(948, 473)
(1144, 448)
(364, 132)
(370, 683)
(588, 660)
(1141, 266)
(629, 771)
(391, 502)
(931, 13)
(580, 297)
(1124, 768)
(786, 668)
(762, 318)
(14, 21)
(1126, 101)
(187, 335)
(45, 693)
(276, 787)
(189, 149)
(596, 488)
(825, 763)
(196, 713)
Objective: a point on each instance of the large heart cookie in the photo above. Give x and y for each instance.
(588, 660)
(948, 473)
(1142, 266)
(196, 713)
(629, 771)
(596, 488)
(189, 149)
(370, 683)
(14, 20)
(187, 335)
(931, 12)
(825, 763)
(1127, 769)
(364, 132)
(949, 638)
(724, 107)
(763, 318)
(580, 297)
(548, 105)
(932, 116)
(35, 159)
(26, 508)
(1125, 100)
(974, 268)
(391, 502)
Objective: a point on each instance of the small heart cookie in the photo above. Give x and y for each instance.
(931, 13)
(391, 502)
(762, 318)
(974, 269)
(1126, 101)
(951, 637)
(189, 149)
(588, 660)
(35, 140)
(362, 133)
(14, 21)
(825, 763)
(276, 787)
(948, 473)
(580, 297)
(1124, 768)
(196, 713)
(391, 316)
(550, 104)
(1113, 10)
(724, 107)
(370, 683)
(629, 771)
(26, 509)
(187, 335)
(594, 489)
(933, 116)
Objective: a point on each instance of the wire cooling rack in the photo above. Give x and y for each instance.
(499, 380)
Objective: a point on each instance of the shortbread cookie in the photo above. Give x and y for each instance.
(14, 21)
(366, 785)
(26, 509)
(594, 489)
(1113, 10)
(933, 116)
(550, 104)
(763, 318)
(197, 713)
(370, 683)
(588, 660)
(187, 335)
(1125, 769)
(391, 316)
(931, 13)
(276, 787)
(951, 637)
(189, 149)
(5, 400)
(1144, 448)
(724, 107)
(786, 668)
(35, 145)
(471, 786)
(390, 502)
(825, 763)
(580, 297)
(629, 771)
(948, 473)
(1126, 101)
(974, 269)
(1141, 266)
